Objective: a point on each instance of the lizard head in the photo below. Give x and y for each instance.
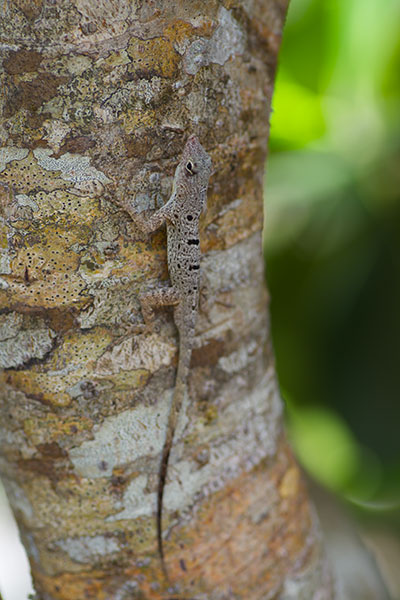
(195, 169)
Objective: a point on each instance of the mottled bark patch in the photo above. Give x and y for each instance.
(22, 61)
(76, 145)
(273, 532)
(30, 8)
(32, 94)
(208, 354)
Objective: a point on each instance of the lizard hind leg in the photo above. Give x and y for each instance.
(149, 301)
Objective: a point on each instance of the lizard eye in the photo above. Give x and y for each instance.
(190, 168)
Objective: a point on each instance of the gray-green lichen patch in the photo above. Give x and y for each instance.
(10, 324)
(85, 549)
(18, 345)
(235, 267)
(236, 361)
(150, 352)
(122, 439)
(111, 304)
(24, 200)
(137, 502)
(137, 94)
(235, 445)
(11, 153)
(147, 91)
(227, 40)
(56, 132)
(102, 17)
(18, 499)
(73, 167)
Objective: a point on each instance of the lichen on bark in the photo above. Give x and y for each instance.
(98, 100)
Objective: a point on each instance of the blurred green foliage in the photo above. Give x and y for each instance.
(332, 243)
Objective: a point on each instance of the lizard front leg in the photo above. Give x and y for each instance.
(150, 223)
(151, 300)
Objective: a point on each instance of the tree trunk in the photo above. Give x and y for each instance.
(97, 101)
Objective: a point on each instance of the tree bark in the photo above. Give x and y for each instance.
(97, 101)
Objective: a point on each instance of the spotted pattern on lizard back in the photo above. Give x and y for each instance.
(182, 214)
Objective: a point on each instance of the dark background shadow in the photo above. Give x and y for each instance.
(332, 248)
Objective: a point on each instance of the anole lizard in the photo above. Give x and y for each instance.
(181, 213)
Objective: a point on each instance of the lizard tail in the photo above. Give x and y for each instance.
(177, 400)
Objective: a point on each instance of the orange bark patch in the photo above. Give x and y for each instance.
(72, 585)
(54, 427)
(154, 57)
(244, 219)
(158, 56)
(179, 31)
(248, 536)
(235, 208)
(97, 585)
